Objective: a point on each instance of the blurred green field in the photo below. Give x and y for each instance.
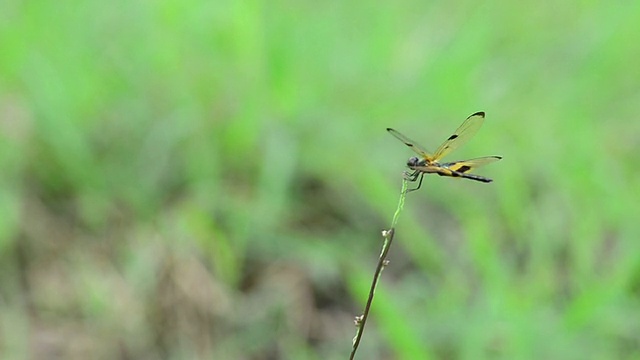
(208, 180)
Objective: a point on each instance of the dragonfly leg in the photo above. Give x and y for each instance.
(415, 176)
(412, 176)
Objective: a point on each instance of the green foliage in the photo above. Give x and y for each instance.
(185, 179)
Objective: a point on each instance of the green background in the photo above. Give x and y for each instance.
(191, 179)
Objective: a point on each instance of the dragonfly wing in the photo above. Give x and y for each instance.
(410, 143)
(465, 166)
(468, 128)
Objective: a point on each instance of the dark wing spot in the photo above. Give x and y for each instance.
(452, 137)
(463, 169)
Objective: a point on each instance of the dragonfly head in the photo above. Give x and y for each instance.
(413, 161)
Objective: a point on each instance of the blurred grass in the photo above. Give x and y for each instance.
(209, 179)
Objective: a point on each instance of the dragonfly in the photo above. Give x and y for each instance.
(427, 163)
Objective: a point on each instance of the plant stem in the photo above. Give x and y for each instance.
(361, 320)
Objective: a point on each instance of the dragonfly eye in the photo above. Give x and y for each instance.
(413, 161)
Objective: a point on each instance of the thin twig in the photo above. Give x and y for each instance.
(382, 262)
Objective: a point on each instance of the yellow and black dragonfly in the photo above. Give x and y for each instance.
(430, 164)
